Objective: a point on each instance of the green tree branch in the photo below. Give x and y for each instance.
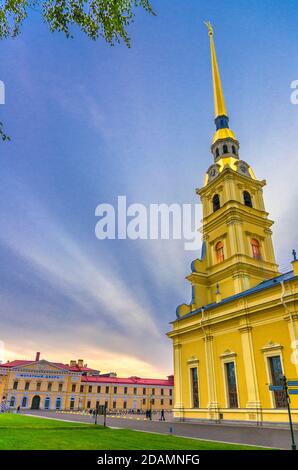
(108, 19)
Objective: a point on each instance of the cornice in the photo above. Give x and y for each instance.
(269, 347)
(227, 354)
(219, 317)
(233, 209)
(228, 173)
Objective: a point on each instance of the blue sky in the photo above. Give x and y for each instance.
(90, 122)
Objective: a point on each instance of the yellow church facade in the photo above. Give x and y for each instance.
(240, 332)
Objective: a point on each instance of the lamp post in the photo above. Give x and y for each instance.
(285, 385)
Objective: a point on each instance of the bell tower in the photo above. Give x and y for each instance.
(237, 252)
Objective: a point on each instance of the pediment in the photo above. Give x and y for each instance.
(42, 365)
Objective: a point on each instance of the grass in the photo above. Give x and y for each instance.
(19, 432)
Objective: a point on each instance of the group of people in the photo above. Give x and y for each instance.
(149, 415)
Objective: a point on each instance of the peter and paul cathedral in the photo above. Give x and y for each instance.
(240, 332)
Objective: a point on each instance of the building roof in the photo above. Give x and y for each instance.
(129, 380)
(20, 363)
(267, 284)
(97, 378)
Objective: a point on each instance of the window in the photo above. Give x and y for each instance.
(89, 404)
(134, 391)
(234, 149)
(114, 404)
(125, 390)
(12, 401)
(161, 401)
(72, 403)
(124, 405)
(73, 387)
(24, 402)
(219, 250)
(194, 387)
(153, 391)
(247, 199)
(60, 387)
(98, 389)
(38, 385)
(90, 389)
(144, 391)
(152, 401)
(216, 202)
(231, 385)
(15, 385)
(81, 388)
(217, 152)
(144, 401)
(107, 389)
(161, 391)
(115, 390)
(225, 149)
(47, 403)
(58, 403)
(255, 246)
(27, 385)
(50, 386)
(276, 374)
(171, 392)
(171, 402)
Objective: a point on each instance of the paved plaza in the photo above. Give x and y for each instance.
(267, 435)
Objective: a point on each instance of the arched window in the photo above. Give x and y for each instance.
(234, 149)
(247, 199)
(225, 149)
(72, 403)
(24, 402)
(47, 403)
(58, 403)
(216, 202)
(255, 245)
(217, 152)
(219, 249)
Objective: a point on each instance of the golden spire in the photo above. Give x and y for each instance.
(221, 117)
(219, 101)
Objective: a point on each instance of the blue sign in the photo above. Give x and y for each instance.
(293, 391)
(39, 376)
(276, 388)
(293, 383)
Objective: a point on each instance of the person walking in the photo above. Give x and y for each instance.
(162, 415)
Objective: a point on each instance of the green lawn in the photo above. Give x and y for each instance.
(25, 432)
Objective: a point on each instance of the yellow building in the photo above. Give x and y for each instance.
(41, 384)
(240, 331)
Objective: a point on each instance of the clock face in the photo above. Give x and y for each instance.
(212, 172)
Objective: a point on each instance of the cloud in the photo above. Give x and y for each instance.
(106, 311)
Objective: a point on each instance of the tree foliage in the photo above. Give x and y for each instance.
(96, 18)
(3, 136)
(106, 18)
